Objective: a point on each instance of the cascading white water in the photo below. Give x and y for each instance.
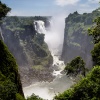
(54, 39)
(1, 36)
(40, 27)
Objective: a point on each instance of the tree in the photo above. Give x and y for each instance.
(3, 10)
(96, 54)
(76, 66)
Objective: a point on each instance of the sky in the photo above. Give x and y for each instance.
(49, 7)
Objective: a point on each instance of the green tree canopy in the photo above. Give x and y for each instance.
(3, 10)
(96, 54)
(76, 66)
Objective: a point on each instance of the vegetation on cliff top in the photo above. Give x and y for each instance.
(15, 23)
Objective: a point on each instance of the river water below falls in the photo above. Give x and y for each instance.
(48, 90)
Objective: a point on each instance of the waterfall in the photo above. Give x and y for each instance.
(1, 36)
(40, 27)
(54, 39)
(54, 42)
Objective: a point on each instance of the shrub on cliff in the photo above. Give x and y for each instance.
(76, 66)
(3, 10)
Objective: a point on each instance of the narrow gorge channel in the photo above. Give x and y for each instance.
(54, 40)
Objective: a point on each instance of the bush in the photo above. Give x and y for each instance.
(96, 54)
(3, 10)
(7, 90)
(76, 66)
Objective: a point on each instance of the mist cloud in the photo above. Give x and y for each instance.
(54, 37)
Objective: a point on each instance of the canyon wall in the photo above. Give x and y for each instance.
(77, 42)
(28, 47)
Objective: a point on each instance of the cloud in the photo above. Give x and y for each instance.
(66, 2)
(94, 1)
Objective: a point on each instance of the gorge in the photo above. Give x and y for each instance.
(39, 66)
(52, 38)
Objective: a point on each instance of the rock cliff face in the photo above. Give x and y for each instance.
(77, 42)
(28, 47)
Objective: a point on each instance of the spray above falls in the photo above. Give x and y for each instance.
(54, 35)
